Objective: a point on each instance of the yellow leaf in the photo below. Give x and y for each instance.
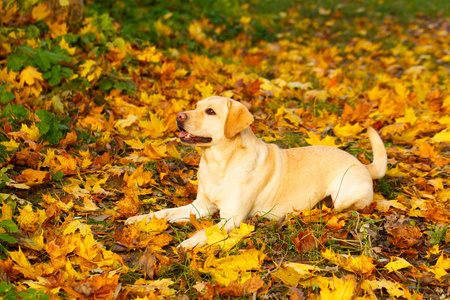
(162, 29)
(57, 28)
(22, 265)
(84, 229)
(34, 240)
(6, 211)
(394, 289)
(410, 117)
(64, 45)
(347, 130)
(226, 241)
(205, 89)
(32, 132)
(299, 85)
(339, 288)
(40, 12)
(196, 31)
(442, 137)
(288, 114)
(314, 140)
(401, 90)
(139, 178)
(155, 128)
(90, 70)
(143, 287)
(293, 273)
(234, 267)
(316, 95)
(149, 54)
(396, 264)
(11, 145)
(154, 225)
(29, 75)
(30, 221)
(135, 144)
(124, 123)
(64, 3)
(245, 20)
(87, 206)
(361, 265)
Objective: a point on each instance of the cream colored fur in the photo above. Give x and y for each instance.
(240, 175)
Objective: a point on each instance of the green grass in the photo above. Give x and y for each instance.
(269, 19)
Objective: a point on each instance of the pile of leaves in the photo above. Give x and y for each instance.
(88, 139)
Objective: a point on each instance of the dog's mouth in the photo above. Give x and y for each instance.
(189, 138)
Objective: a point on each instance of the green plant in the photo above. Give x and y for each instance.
(437, 234)
(48, 61)
(51, 127)
(5, 96)
(8, 292)
(10, 227)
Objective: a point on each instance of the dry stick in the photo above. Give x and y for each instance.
(267, 274)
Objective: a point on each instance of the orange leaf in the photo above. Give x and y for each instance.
(40, 12)
(34, 177)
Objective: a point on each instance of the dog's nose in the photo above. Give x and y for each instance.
(181, 117)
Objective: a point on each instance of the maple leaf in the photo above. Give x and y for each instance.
(144, 287)
(397, 263)
(11, 145)
(64, 45)
(306, 241)
(347, 130)
(394, 289)
(294, 273)
(162, 29)
(219, 237)
(410, 117)
(234, 267)
(29, 75)
(288, 114)
(442, 137)
(405, 236)
(91, 70)
(57, 27)
(149, 54)
(341, 288)
(206, 90)
(34, 177)
(40, 12)
(359, 265)
(22, 264)
(315, 140)
(30, 221)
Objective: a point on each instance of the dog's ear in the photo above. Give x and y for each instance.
(238, 118)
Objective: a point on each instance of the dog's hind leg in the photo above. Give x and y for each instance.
(352, 190)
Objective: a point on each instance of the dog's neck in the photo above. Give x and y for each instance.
(224, 154)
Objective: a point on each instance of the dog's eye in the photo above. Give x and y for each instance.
(210, 111)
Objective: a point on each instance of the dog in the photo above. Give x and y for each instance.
(240, 175)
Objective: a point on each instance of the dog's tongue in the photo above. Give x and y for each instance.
(183, 134)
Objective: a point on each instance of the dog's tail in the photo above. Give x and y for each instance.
(377, 168)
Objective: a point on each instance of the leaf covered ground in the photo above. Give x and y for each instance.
(88, 139)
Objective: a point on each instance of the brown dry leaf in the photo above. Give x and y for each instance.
(306, 241)
(404, 236)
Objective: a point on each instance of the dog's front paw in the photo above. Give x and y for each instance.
(136, 219)
(190, 243)
(198, 240)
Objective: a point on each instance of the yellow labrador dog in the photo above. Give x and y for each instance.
(240, 175)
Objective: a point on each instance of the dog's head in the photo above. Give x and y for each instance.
(214, 119)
